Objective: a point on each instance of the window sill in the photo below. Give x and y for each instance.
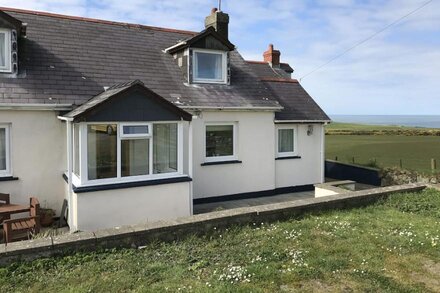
(8, 178)
(288, 158)
(122, 185)
(221, 163)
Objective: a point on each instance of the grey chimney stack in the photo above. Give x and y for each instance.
(219, 21)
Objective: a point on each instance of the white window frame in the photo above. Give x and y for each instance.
(234, 156)
(135, 135)
(224, 55)
(83, 179)
(8, 53)
(295, 141)
(8, 171)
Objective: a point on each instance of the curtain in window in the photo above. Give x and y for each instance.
(2, 149)
(2, 49)
(285, 140)
(165, 148)
(102, 151)
(209, 66)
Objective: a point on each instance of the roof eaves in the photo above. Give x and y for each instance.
(188, 42)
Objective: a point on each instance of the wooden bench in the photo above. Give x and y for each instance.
(4, 200)
(28, 226)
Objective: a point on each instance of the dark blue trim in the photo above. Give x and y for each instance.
(221, 163)
(255, 194)
(128, 184)
(9, 178)
(288, 158)
(344, 171)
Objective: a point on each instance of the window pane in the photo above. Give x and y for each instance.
(285, 140)
(209, 66)
(76, 149)
(165, 148)
(2, 149)
(135, 157)
(2, 49)
(219, 140)
(135, 129)
(101, 151)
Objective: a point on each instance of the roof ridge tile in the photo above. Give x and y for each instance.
(95, 20)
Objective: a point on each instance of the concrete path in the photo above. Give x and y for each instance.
(250, 202)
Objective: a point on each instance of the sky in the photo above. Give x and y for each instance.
(395, 73)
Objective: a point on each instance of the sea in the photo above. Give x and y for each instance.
(423, 121)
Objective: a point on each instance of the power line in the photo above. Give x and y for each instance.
(366, 39)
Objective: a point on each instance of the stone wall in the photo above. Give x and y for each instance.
(396, 176)
(139, 235)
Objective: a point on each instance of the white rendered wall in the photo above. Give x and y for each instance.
(256, 150)
(38, 148)
(309, 168)
(129, 206)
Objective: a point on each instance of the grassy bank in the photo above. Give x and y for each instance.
(391, 246)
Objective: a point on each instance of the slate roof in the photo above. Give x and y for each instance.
(298, 104)
(113, 91)
(100, 98)
(68, 60)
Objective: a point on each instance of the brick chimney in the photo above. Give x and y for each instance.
(272, 56)
(219, 21)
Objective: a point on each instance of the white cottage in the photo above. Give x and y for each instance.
(132, 123)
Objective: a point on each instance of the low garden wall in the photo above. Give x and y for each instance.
(139, 235)
(344, 171)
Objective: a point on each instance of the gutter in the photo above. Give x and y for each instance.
(39, 107)
(175, 46)
(67, 119)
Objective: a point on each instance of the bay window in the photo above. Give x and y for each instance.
(4, 151)
(286, 141)
(220, 142)
(209, 66)
(121, 152)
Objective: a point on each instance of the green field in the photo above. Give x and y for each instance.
(391, 246)
(387, 150)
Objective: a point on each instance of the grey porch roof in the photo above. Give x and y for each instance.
(68, 60)
(298, 104)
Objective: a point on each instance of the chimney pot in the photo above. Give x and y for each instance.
(272, 56)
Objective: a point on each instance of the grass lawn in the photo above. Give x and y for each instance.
(390, 246)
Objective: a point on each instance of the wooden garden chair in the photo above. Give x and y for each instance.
(28, 225)
(4, 199)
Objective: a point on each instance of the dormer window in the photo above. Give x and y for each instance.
(209, 66)
(5, 50)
